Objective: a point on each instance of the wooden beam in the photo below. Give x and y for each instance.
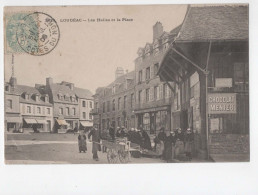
(188, 60)
(172, 88)
(178, 64)
(208, 57)
(176, 72)
(176, 81)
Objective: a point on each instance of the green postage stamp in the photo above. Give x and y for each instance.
(34, 33)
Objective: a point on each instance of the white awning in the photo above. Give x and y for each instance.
(62, 122)
(87, 123)
(30, 121)
(14, 119)
(41, 121)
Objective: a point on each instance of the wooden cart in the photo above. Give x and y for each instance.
(118, 150)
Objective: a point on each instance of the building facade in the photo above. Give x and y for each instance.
(210, 70)
(86, 104)
(13, 119)
(153, 97)
(114, 104)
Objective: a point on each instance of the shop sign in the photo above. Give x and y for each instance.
(222, 103)
(223, 82)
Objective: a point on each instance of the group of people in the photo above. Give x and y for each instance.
(177, 144)
(171, 144)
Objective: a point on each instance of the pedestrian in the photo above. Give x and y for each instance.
(189, 143)
(197, 143)
(95, 133)
(179, 145)
(82, 141)
(173, 136)
(168, 141)
(161, 138)
(112, 132)
(146, 143)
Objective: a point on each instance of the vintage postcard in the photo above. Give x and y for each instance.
(126, 84)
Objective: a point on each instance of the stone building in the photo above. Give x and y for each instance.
(86, 104)
(208, 62)
(114, 104)
(153, 97)
(13, 119)
(27, 106)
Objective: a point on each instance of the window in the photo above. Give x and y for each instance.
(140, 76)
(73, 111)
(27, 96)
(108, 106)
(7, 88)
(46, 99)
(241, 76)
(147, 95)
(37, 98)
(83, 104)
(48, 110)
(148, 73)
(119, 103)
(90, 104)
(155, 92)
(28, 109)
(113, 89)
(139, 96)
(161, 91)
(84, 115)
(38, 110)
(132, 99)
(9, 104)
(113, 105)
(90, 116)
(104, 107)
(125, 100)
(67, 111)
(156, 68)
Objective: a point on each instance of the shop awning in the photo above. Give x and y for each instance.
(15, 119)
(62, 122)
(41, 121)
(87, 123)
(30, 121)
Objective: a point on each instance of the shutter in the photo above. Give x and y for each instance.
(161, 91)
(151, 93)
(143, 74)
(143, 96)
(152, 71)
(157, 92)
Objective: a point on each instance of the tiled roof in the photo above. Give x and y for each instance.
(31, 91)
(215, 23)
(176, 30)
(63, 89)
(83, 93)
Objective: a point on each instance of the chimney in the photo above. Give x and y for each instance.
(157, 30)
(13, 81)
(71, 86)
(119, 72)
(49, 81)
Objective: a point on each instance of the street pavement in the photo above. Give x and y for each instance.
(46, 148)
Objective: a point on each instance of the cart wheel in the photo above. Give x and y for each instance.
(124, 156)
(112, 156)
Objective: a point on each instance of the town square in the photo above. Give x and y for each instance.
(173, 89)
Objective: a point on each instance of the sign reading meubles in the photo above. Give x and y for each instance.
(222, 103)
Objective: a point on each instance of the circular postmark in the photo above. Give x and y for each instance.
(37, 33)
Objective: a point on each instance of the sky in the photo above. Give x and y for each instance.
(88, 53)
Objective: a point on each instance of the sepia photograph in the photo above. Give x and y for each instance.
(126, 84)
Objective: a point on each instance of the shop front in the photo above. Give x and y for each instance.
(13, 123)
(153, 119)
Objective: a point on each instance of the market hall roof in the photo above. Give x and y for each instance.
(229, 22)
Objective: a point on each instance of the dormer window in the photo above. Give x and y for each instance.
(37, 98)
(27, 96)
(156, 47)
(147, 50)
(46, 98)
